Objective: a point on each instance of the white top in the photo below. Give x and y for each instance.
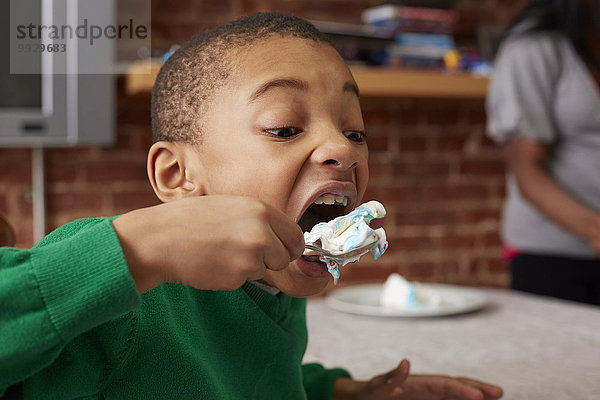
(542, 90)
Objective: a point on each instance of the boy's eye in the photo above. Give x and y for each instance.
(284, 132)
(355, 136)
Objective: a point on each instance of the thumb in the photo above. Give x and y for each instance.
(398, 375)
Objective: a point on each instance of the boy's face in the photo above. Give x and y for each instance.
(287, 129)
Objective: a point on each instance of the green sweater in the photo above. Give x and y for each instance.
(72, 325)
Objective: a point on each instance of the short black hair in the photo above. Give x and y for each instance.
(190, 77)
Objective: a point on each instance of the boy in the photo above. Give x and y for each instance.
(253, 121)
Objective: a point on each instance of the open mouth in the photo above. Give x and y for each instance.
(323, 209)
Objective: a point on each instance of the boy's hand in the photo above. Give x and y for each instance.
(399, 385)
(436, 387)
(208, 242)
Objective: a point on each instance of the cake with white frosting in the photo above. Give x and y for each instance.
(349, 232)
(399, 294)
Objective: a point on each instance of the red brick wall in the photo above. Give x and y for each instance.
(442, 183)
(432, 167)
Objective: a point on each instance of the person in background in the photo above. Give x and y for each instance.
(544, 107)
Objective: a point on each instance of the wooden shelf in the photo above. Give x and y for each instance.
(141, 75)
(372, 81)
(394, 82)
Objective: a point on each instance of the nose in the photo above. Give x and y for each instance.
(337, 151)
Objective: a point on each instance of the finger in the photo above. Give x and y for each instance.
(463, 391)
(289, 232)
(398, 375)
(447, 387)
(403, 370)
(276, 256)
(488, 389)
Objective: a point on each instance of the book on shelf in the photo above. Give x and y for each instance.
(353, 30)
(441, 4)
(412, 19)
(425, 39)
(358, 44)
(422, 50)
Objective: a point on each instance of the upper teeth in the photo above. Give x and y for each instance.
(331, 199)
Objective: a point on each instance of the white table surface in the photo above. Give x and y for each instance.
(533, 347)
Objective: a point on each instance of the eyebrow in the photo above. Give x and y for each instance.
(293, 84)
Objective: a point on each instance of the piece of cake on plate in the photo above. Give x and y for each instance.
(399, 294)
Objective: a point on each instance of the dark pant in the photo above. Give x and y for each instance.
(562, 277)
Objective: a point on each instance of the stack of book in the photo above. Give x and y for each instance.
(358, 44)
(422, 30)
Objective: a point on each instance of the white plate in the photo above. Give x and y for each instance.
(364, 299)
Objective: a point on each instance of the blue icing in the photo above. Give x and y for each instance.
(333, 268)
(412, 297)
(357, 238)
(377, 253)
(357, 220)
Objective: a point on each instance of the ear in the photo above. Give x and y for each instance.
(168, 172)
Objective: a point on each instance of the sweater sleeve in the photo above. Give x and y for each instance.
(520, 98)
(318, 381)
(72, 281)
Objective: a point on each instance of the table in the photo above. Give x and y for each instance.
(533, 347)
